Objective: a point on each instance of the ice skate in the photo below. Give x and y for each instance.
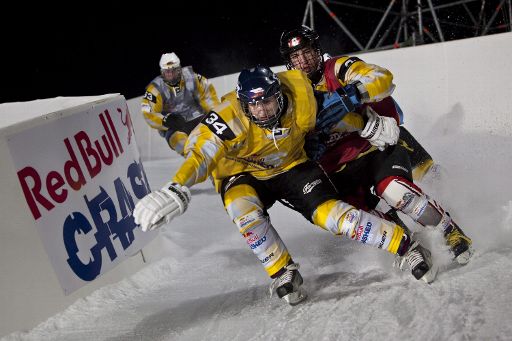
(288, 285)
(419, 260)
(460, 244)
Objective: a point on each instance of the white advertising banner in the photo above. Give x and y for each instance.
(81, 175)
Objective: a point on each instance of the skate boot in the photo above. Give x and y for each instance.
(459, 243)
(419, 260)
(288, 285)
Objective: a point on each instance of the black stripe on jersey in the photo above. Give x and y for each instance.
(218, 126)
(150, 97)
(346, 65)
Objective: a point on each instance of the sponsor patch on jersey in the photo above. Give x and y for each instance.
(231, 181)
(217, 125)
(150, 97)
(278, 133)
(402, 168)
(310, 185)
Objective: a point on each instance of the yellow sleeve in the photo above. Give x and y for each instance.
(207, 94)
(203, 150)
(296, 85)
(214, 138)
(376, 80)
(177, 142)
(151, 106)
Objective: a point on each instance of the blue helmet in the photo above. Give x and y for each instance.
(258, 84)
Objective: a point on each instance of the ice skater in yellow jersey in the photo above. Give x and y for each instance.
(176, 101)
(263, 125)
(360, 148)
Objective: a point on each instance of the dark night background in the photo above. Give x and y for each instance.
(87, 48)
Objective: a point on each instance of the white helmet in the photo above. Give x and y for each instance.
(169, 61)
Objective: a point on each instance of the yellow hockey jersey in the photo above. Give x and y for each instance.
(227, 142)
(190, 99)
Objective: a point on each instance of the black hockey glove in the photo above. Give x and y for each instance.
(315, 146)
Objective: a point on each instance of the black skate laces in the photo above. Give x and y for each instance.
(286, 277)
(413, 257)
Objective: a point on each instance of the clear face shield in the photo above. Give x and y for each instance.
(306, 59)
(171, 75)
(266, 111)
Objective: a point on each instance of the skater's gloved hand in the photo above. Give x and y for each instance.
(161, 206)
(380, 131)
(332, 106)
(173, 121)
(314, 146)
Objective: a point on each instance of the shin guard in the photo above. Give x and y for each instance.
(246, 210)
(405, 196)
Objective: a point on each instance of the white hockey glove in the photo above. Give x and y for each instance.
(380, 131)
(161, 206)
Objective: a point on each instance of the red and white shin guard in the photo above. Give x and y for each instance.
(405, 196)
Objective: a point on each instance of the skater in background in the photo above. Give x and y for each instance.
(176, 101)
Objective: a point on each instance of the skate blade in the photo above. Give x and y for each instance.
(295, 297)
(464, 257)
(430, 275)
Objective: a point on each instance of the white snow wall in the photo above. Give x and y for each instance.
(434, 82)
(29, 289)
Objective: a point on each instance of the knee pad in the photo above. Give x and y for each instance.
(242, 200)
(176, 140)
(336, 216)
(404, 196)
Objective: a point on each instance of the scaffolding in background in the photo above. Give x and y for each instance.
(407, 20)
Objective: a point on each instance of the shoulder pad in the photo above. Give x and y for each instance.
(345, 66)
(150, 96)
(218, 126)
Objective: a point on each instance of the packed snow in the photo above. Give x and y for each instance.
(207, 284)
